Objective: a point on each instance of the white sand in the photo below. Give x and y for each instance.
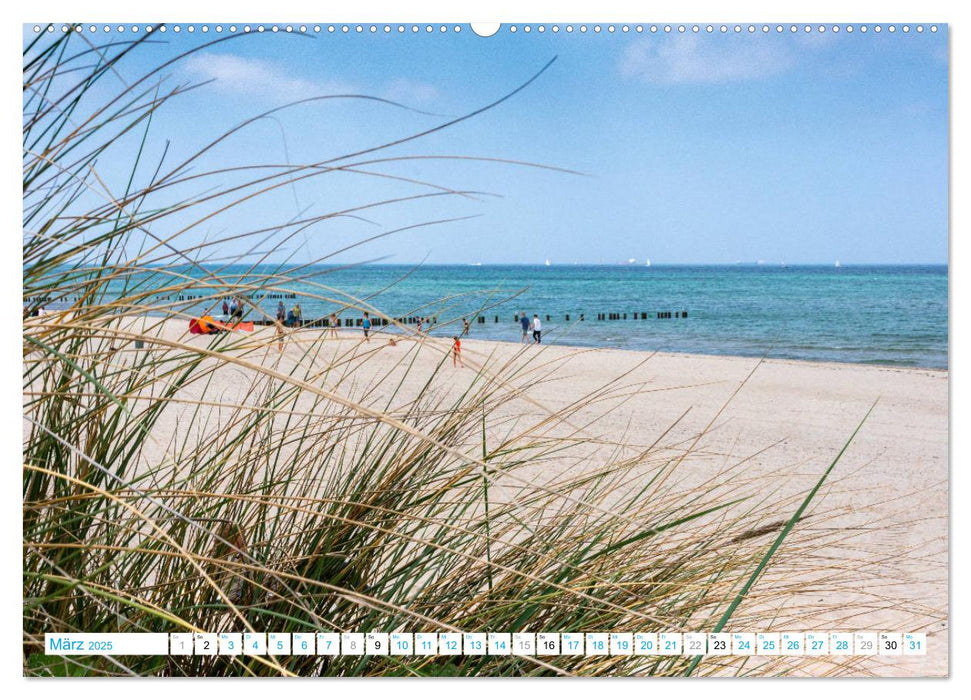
(788, 422)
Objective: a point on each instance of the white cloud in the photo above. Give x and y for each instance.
(696, 59)
(256, 77)
(252, 76)
(410, 92)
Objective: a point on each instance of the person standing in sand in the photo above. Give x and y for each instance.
(332, 324)
(465, 326)
(225, 308)
(537, 329)
(524, 322)
(279, 334)
(456, 351)
(281, 313)
(366, 325)
(297, 315)
(421, 322)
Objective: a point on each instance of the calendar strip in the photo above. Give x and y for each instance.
(540, 644)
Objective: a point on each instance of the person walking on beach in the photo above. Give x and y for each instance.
(524, 322)
(281, 313)
(367, 327)
(465, 326)
(332, 323)
(537, 328)
(456, 351)
(297, 314)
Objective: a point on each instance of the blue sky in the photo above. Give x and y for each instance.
(694, 148)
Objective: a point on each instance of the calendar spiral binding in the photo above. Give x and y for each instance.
(368, 29)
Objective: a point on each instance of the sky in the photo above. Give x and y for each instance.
(681, 147)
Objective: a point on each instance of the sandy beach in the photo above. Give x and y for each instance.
(778, 423)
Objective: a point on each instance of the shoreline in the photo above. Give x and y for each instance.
(345, 335)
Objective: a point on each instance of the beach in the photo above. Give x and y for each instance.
(777, 423)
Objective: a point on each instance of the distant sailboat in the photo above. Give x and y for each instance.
(837, 264)
(648, 263)
(547, 262)
(631, 261)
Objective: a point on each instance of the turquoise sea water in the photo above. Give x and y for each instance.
(894, 315)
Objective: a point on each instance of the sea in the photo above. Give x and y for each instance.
(882, 315)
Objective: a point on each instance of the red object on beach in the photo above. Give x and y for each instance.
(246, 326)
(202, 326)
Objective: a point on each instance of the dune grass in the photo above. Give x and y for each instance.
(175, 483)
